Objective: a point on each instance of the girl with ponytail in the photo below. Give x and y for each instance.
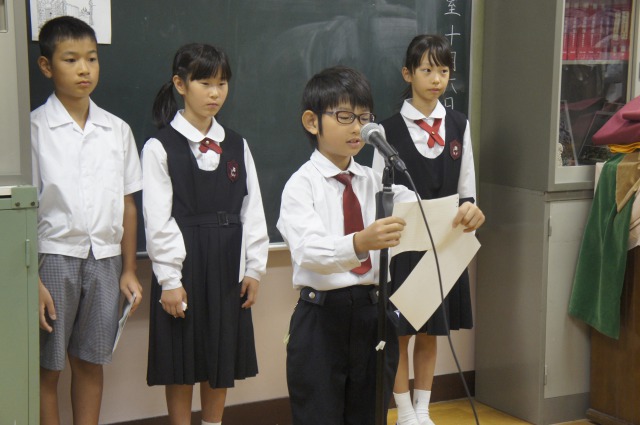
(206, 237)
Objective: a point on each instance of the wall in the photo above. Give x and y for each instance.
(127, 396)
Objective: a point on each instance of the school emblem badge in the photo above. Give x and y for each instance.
(455, 149)
(233, 170)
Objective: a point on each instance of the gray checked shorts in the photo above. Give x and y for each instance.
(86, 294)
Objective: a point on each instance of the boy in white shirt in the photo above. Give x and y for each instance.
(331, 351)
(86, 169)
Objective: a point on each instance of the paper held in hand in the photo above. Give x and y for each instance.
(419, 295)
(126, 310)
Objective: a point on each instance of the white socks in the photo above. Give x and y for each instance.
(406, 414)
(211, 423)
(421, 400)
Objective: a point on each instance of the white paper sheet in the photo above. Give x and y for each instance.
(419, 296)
(96, 13)
(438, 213)
(126, 310)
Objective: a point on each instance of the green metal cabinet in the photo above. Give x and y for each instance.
(19, 355)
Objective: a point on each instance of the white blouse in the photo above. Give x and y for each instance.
(165, 244)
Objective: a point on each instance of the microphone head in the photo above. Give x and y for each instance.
(367, 129)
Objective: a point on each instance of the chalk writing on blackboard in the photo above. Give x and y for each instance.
(453, 31)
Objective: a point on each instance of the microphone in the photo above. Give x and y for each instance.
(372, 135)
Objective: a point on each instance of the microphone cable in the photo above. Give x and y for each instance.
(442, 306)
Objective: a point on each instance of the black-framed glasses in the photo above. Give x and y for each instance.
(348, 117)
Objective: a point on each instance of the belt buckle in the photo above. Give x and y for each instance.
(223, 218)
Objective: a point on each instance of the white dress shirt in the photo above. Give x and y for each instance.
(467, 181)
(82, 176)
(165, 244)
(312, 223)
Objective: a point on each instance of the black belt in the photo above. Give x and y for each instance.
(343, 296)
(221, 218)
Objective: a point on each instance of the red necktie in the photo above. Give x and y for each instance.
(432, 131)
(206, 144)
(352, 216)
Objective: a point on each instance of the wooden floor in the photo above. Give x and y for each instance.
(459, 412)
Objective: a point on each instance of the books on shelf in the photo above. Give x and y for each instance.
(596, 30)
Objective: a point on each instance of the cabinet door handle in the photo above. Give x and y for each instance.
(3, 16)
(27, 253)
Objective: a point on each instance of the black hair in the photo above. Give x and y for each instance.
(332, 86)
(195, 61)
(435, 46)
(62, 28)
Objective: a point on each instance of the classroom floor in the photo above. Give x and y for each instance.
(459, 412)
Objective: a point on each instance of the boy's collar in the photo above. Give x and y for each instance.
(329, 169)
(57, 114)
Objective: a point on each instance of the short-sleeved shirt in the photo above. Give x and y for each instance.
(82, 176)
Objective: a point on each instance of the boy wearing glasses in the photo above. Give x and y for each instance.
(327, 218)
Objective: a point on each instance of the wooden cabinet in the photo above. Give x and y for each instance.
(615, 364)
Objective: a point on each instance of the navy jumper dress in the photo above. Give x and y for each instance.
(434, 178)
(215, 341)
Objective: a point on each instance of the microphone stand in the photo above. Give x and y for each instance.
(384, 208)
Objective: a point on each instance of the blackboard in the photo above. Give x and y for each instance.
(275, 46)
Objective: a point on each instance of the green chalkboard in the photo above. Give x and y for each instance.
(274, 47)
